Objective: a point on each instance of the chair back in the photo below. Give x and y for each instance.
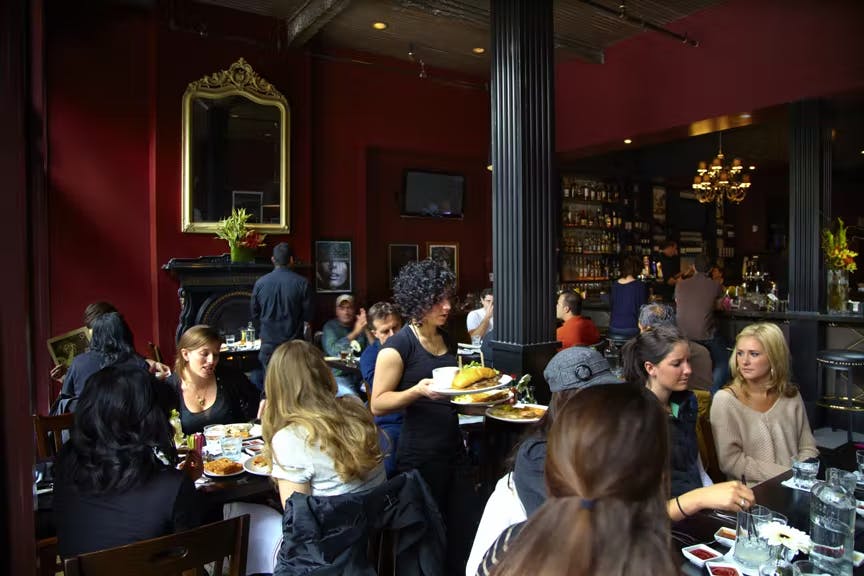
(49, 433)
(155, 353)
(173, 554)
(317, 339)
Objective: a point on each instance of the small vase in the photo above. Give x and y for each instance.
(242, 254)
(838, 291)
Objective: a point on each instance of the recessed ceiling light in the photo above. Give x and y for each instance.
(862, 151)
(379, 25)
(628, 141)
(478, 50)
(752, 167)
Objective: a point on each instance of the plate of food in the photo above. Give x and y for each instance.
(259, 465)
(491, 398)
(725, 536)
(222, 468)
(453, 381)
(244, 430)
(523, 413)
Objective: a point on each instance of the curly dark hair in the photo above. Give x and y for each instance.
(118, 429)
(419, 286)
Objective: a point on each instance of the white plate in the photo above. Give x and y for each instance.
(688, 553)
(710, 563)
(492, 403)
(503, 380)
(718, 536)
(247, 465)
(490, 414)
(239, 472)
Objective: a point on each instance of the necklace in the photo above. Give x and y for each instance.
(200, 398)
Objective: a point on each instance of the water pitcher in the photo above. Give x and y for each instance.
(832, 525)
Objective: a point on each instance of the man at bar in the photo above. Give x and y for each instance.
(669, 265)
(577, 330)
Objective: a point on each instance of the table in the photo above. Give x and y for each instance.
(794, 504)
(345, 366)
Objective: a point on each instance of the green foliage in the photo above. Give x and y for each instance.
(233, 229)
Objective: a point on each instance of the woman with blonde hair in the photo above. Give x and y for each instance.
(758, 419)
(318, 444)
(603, 515)
(206, 392)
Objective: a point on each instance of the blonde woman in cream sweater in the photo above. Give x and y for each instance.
(758, 420)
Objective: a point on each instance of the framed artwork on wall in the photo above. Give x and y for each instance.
(333, 266)
(446, 254)
(398, 255)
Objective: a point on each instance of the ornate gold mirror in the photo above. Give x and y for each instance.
(235, 151)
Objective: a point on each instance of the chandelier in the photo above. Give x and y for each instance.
(713, 182)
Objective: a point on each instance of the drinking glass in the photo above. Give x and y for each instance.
(859, 457)
(213, 435)
(842, 478)
(232, 447)
(229, 340)
(806, 568)
(804, 472)
(344, 353)
(750, 549)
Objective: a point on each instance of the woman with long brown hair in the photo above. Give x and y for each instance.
(606, 511)
(318, 444)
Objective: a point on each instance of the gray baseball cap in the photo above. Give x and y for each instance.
(576, 368)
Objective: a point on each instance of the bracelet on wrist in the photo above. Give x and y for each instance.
(680, 509)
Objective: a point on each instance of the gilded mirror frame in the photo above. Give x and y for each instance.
(238, 80)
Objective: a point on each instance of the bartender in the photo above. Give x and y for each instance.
(670, 265)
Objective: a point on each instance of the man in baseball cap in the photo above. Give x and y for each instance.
(338, 334)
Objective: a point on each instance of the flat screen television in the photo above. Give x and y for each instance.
(433, 194)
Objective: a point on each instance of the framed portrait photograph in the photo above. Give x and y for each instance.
(446, 254)
(333, 266)
(65, 347)
(398, 255)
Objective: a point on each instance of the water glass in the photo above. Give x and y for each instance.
(229, 340)
(213, 435)
(232, 447)
(859, 457)
(842, 478)
(804, 472)
(751, 550)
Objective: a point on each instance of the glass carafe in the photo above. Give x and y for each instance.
(832, 525)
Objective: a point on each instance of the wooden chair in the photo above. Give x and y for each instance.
(155, 353)
(48, 563)
(182, 553)
(49, 433)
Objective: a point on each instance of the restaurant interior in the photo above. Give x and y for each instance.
(94, 91)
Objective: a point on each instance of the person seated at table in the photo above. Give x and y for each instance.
(604, 515)
(384, 321)
(480, 321)
(628, 295)
(660, 360)
(658, 314)
(93, 311)
(115, 480)
(204, 392)
(577, 330)
(758, 419)
(431, 441)
(110, 344)
(338, 334)
(318, 444)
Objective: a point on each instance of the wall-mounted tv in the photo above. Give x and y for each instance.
(433, 194)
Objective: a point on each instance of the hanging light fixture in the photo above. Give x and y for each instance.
(713, 182)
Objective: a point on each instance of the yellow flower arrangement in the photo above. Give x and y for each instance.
(838, 256)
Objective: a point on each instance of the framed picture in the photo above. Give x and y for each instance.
(65, 347)
(658, 204)
(446, 254)
(398, 255)
(333, 266)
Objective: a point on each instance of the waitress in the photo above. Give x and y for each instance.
(431, 441)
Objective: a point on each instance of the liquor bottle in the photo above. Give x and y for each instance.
(832, 525)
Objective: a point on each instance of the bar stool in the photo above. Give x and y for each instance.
(838, 361)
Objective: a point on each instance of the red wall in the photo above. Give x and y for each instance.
(752, 55)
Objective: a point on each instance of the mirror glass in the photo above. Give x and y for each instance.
(235, 151)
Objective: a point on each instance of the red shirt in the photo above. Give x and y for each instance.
(577, 331)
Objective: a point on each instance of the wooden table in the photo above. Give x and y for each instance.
(344, 365)
(794, 504)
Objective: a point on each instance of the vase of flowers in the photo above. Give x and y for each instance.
(839, 260)
(242, 241)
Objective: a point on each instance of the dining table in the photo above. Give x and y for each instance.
(792, 503)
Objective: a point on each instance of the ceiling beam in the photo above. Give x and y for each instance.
(310, 18)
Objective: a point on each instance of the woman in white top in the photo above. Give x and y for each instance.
(318, 444)
(758, 420)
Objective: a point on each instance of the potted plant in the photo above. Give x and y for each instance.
(840, 260)
(242, 241)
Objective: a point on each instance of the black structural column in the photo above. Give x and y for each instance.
(524, 226)
(809, 204)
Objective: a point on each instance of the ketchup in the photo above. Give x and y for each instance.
(702, 554)
(723, 571)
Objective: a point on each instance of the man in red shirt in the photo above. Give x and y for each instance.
(576, 330)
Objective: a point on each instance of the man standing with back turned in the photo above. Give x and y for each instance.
(281, 304)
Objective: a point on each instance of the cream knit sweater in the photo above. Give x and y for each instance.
(759, 445)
